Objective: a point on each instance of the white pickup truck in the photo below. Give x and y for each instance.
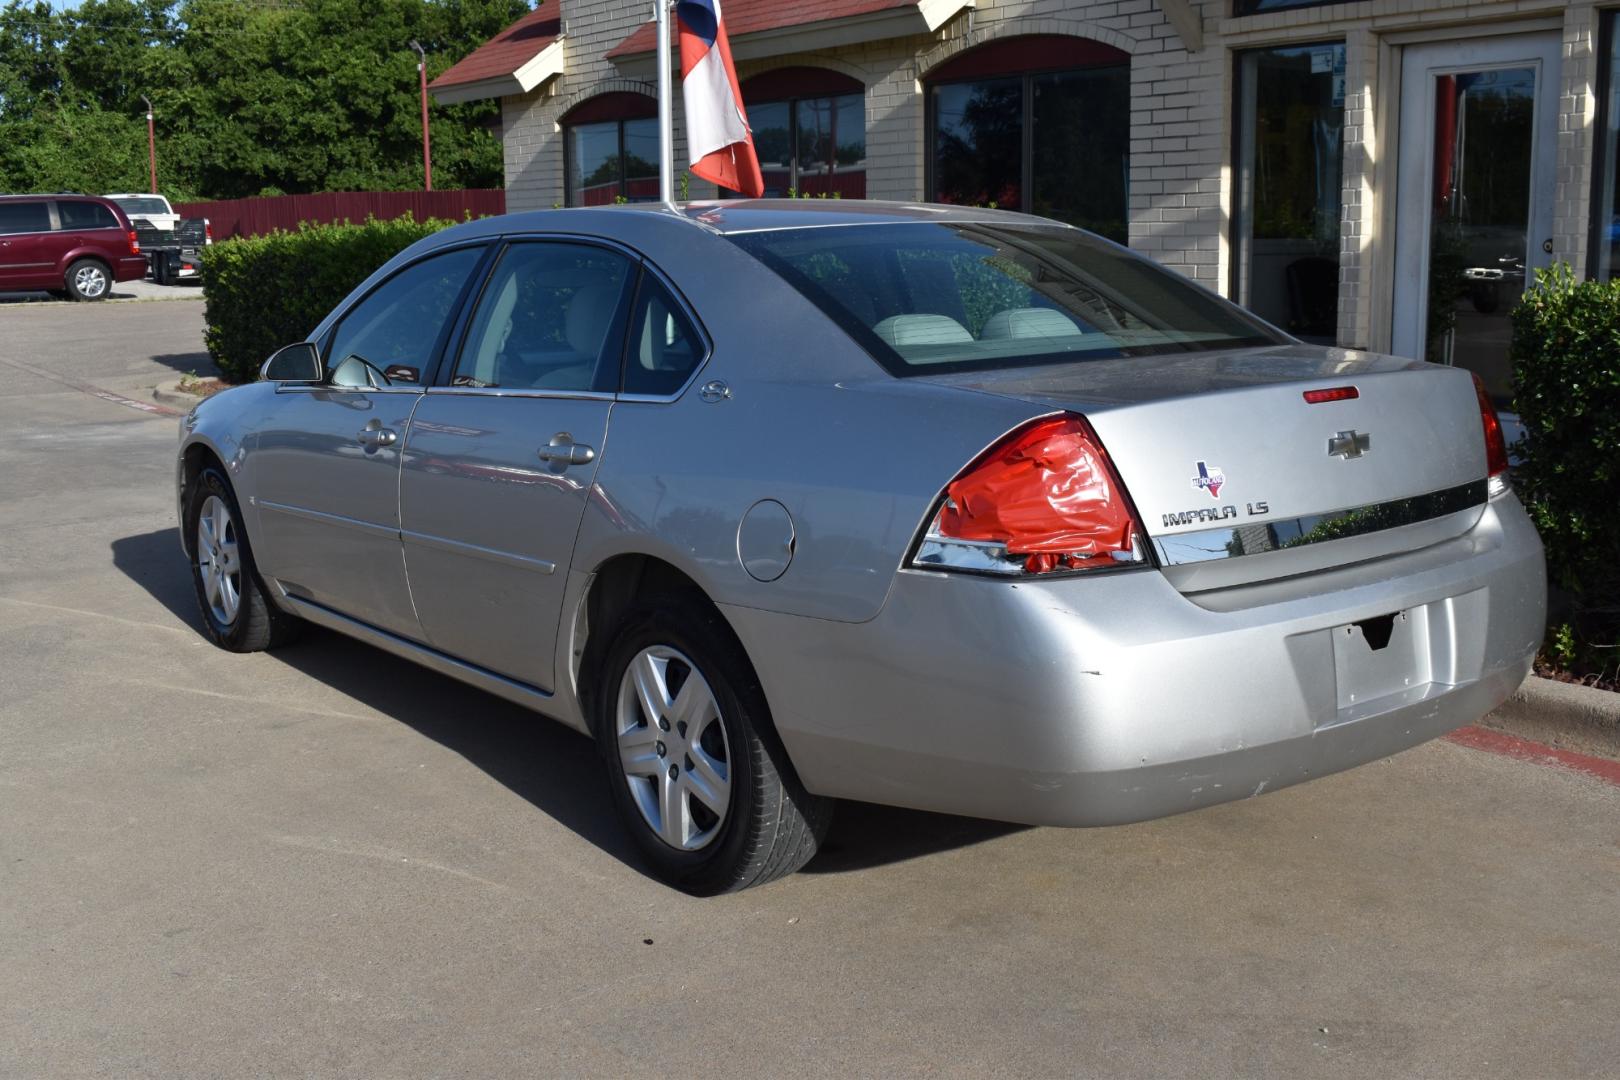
(172, 243)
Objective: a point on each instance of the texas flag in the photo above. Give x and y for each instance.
(717, 135)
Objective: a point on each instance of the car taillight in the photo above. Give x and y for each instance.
(1496, 455)
(134, 243)
(1045, 499)
(208, 231)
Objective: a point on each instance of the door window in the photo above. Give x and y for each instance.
(397, 328)
(664, 346)
(1480, 214)
(24, 217)
(85, 215)
(549, 319)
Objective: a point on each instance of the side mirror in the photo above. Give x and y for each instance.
(299, 363)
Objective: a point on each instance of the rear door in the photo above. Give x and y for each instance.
(27, 245)
(503, 453)
(326, 464)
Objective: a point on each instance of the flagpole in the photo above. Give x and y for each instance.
(666, 136)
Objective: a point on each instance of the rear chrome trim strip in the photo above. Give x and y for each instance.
(1259, 537)
(458, 547)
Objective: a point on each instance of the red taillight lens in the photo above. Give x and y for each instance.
(134, 243)
(208, 231)
(1045, 498)
(1337, 393)
(1496, 455)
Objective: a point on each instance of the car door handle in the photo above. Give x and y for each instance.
(373, 437)
(564, 451)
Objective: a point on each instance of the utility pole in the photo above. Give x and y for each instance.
(427, 151)
(151, 142)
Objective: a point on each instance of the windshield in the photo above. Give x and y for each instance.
(143, 204)
(960, 296)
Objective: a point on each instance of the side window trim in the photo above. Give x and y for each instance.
(451, 354)
(651, 273)
(436, 355)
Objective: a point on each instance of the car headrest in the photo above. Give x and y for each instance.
(1028, 323)
(900, 330)
(590, 312)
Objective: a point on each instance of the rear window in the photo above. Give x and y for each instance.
(934, 296)
(142, 204)
(85, 215)
(24, 217)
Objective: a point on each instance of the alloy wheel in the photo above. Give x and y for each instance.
(673, 748)
(90, 281)
(219, 562)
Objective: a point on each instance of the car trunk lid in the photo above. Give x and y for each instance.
(1224, 456)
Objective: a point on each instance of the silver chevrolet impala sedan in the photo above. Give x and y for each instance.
(788, 502)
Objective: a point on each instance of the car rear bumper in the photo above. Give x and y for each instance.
(130, 268)
(1114, 699)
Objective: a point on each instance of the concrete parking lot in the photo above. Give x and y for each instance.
(326, 862)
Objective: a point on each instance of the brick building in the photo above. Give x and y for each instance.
(1380, 173)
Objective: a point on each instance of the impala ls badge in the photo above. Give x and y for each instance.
(1349, 444)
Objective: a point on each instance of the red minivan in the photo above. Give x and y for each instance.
(67, 245)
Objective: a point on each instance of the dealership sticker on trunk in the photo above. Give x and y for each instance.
(1210, 478)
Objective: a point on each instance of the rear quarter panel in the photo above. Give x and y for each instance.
(855, 455)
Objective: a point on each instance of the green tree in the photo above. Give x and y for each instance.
(251, 97)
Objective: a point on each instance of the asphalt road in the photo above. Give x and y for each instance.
(326, 862)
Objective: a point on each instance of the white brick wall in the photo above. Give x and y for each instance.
(1181, 114)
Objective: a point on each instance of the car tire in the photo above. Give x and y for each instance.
(88, 280)
(237, 614)
(767, 826)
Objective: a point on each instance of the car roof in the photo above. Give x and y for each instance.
(55, 195)
(733, 216)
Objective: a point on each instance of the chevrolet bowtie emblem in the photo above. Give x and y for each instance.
(1349, 444)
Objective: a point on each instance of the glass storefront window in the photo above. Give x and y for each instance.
(1055, 143)
(612, 159)
(811, 145)
(1290, 180)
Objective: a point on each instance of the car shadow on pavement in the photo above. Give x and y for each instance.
(188, 363)
(551, 766)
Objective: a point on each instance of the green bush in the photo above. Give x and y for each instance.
(264, 292)
(1566, 368)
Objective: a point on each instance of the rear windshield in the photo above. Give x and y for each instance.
(959, 296)
(143, 204)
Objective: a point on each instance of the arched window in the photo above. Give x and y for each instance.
(611, 149)
(1038, 123)
(809, 129)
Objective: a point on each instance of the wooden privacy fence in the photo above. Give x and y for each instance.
(257, 216)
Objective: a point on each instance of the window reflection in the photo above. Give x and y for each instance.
(612, 160)
(1069, 129)
(811, 145)
(1291, 151)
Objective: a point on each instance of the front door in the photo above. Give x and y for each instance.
(1478, 129)
(326, 463)
(502, 456)
(27, 249)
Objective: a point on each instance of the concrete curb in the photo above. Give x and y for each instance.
(1562, 715)
(170, 394)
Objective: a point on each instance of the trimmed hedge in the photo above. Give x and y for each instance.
(264, 292)
(1566, 370)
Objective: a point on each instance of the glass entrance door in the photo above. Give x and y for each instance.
(1478, 122)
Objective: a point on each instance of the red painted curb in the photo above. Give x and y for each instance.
(1497, 742)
